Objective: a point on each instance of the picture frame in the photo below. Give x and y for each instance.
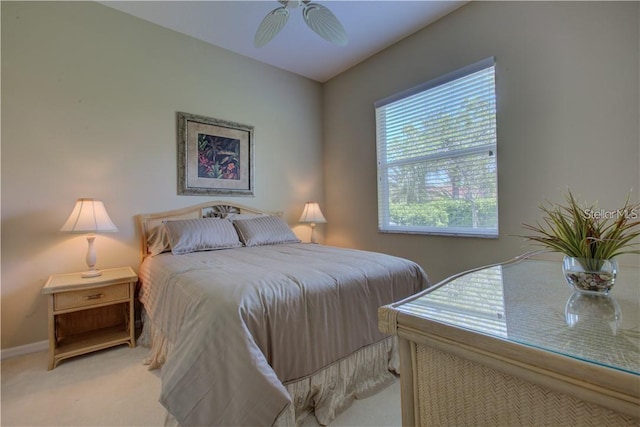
(215, 157)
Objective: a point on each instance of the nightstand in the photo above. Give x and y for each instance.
(89, 314)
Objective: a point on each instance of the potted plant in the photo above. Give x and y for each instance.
(590, 239)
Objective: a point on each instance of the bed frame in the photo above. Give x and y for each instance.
(147, 222)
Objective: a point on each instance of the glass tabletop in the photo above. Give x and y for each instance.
(528, 302)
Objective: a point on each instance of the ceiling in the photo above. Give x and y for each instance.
(371, 26)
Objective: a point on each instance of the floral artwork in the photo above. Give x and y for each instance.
(218, 157)
(215, 157)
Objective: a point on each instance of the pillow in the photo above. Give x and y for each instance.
(264, 230)
(158, 241)
(205, 234)
(232, 216)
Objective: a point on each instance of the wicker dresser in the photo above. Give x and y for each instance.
(511, 345)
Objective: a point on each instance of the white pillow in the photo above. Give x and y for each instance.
(205, 234)
(264, 230)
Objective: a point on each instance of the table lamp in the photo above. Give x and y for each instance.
(313, 215)
(89, 216)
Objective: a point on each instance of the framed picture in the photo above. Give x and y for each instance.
(215, 157)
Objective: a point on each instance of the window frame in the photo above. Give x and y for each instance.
(384, 224)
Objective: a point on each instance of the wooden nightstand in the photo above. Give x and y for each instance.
(89, 314)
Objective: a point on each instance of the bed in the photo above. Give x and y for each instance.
(252, 327)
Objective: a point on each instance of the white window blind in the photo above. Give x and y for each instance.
(437, 159)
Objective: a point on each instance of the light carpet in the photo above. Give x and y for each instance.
(113, 388)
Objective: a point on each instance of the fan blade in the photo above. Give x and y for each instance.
(271, 26)
(324, 23)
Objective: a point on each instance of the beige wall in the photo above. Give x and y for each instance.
(567, 89)
(89, 97)
(89, 102)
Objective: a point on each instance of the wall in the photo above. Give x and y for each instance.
(89, 102)
(89, 97)
(568, 116)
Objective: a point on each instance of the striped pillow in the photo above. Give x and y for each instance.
(158, 241)
(238, 216)
(193, 235)
(265, 230)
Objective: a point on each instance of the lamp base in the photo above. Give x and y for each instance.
(313, 234)
(91, 273)
(91, 259)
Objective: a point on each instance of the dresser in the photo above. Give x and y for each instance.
(511, 344)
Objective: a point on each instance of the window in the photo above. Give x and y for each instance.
(437, 159)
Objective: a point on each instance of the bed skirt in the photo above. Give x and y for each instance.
(327, 392)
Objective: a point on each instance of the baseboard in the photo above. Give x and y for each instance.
(21, 350)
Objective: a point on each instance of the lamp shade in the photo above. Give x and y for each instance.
(89, 216)
(312, 213)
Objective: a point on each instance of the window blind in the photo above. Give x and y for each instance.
(436, 153)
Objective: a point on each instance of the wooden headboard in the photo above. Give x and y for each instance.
(147, 222)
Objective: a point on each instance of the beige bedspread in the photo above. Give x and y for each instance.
(244, 321)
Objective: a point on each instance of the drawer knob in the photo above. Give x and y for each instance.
(95, 296)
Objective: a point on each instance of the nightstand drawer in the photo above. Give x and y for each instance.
(90, 297)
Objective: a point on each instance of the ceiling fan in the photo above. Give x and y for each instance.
(320, 19)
